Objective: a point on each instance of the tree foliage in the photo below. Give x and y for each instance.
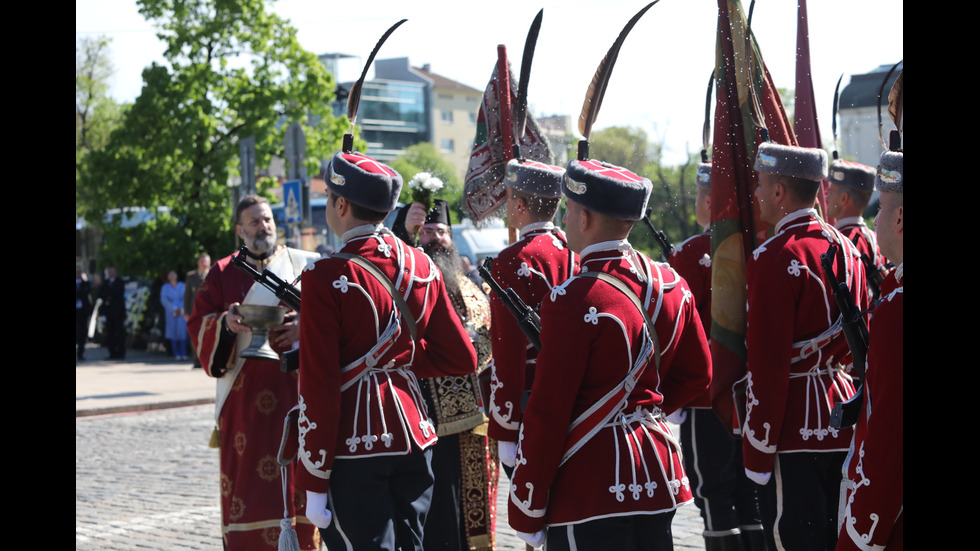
(671, 205)
(96, 114)
(623, 146)
(671, 201)
(232, 70)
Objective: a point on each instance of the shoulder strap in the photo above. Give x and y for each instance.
(619, 285)
(588, 424)
(383, 279)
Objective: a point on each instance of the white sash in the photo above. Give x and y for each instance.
(284, 265)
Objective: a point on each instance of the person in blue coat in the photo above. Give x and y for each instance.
(172, 298)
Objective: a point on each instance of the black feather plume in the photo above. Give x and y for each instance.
(354, 99)
(881, 90)
(520, 108)
(833, 120)
(706, 130)
(597, 88)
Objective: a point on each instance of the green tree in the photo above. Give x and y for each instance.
(671, 201)
(788, 97)
(624, 146)
(671, 205)
(231, 70)
(424, 157)
(96, 114)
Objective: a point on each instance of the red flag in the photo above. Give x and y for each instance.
(805, 114)
(484, 191)
(736, 228)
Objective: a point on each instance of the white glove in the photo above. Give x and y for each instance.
(507, 451)
(678, 416)
(316, 509)
(535, 540)
(759, 478)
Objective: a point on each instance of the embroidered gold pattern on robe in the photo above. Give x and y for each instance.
(457, 401)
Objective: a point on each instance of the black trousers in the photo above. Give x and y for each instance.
(115, 334)
(630, 533)
(379, 503)
(444, 527)
(799, 504)
(725, 497)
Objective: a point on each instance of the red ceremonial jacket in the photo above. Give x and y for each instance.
(872, 495)
(692, 260)
(592, 337)
(796, 350)
(532, 267)
(359, 395)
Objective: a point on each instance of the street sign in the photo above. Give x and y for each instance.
(295, 147)
(246, 155)
(293, 199)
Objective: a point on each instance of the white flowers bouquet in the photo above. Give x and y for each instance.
(424, 186)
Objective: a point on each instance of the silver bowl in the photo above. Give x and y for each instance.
(260, 319)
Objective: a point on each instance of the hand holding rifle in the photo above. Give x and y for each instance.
(284, 291)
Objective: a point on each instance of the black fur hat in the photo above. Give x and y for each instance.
(607, 189)
(364, 181)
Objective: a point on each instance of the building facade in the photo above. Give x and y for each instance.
(404, 105)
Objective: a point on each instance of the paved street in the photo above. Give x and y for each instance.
(147, 479)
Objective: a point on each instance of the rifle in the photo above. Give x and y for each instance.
(527, 318)
(284, 291)
(845, 414)
(665, 247)
(872, 272)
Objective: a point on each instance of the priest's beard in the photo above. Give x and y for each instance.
(448, 261)
(263, 242)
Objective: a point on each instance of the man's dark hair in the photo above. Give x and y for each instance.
(800, 189)
(246, 203)
(541, 208)
(361, 213)
(860, 197)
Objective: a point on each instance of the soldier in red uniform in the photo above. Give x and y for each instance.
(872, 492)
(621, 346)
(851, 186)
(376, 317)
(532, 266)
(253, 395)
(727, 500)
(797, 353)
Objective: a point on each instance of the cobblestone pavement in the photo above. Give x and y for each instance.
(148, 480)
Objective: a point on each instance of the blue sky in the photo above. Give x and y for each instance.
(659, 81)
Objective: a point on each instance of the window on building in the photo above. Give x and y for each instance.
(447, 145)
(472, 118)
(446, 116)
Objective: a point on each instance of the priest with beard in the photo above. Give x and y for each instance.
(464, 463)
(253, 395)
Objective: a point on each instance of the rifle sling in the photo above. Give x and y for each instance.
(383, 279)
(621, 287)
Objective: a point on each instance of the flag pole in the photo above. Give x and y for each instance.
(506, 120)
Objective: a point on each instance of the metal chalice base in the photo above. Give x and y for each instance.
(261, 319)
